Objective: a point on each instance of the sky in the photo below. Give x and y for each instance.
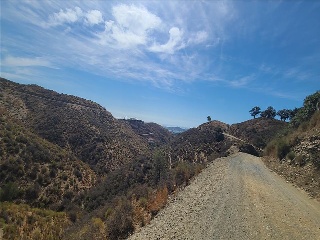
(169, 62)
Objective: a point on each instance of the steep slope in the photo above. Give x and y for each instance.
(296, 153)
(36, 171)
(82, 126)
(296, 156)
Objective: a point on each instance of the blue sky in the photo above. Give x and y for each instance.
(169, 62)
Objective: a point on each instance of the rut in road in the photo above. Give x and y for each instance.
(237, 197)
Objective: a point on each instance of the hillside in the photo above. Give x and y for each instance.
(257, 131)
(36, 171)
(152, 133)
(87, 129)
(107, 177)
(202, 144)
(295, 154)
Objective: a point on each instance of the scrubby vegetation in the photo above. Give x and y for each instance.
(130, 196)
(67, 163)
(296, 150)
(20, 221)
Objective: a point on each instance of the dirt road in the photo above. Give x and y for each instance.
(237, 198)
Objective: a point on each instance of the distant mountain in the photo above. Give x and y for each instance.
(176, 129)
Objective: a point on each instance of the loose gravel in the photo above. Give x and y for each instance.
(237, 197)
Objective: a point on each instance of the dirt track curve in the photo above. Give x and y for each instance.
(237, 197)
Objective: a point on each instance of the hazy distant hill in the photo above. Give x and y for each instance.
(176, 129)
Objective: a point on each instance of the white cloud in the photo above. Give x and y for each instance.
(139, 41)
(26, 62)
(174, 43)
(94, 17)
(131, 27)
(242, 82)
(135, 19)
(198, 37)
(201, 37)
(65, 16)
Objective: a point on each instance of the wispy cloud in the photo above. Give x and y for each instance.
(11, 61)
(148, 42)
(162, 42)
(242, 82)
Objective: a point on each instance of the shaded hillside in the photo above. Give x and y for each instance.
(82, 126)
(257, 131)
(36, 171)
(152, 133)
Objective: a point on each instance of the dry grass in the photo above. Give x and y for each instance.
(20, 221)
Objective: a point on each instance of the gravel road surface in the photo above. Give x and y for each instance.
(237, 197)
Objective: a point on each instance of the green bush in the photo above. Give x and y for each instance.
(291, 155)
(283, 148)
(9, 192)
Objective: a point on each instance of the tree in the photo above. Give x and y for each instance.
(209, 119)
(310, 106)
(284, 114)
(270, 112)
(255, 111)
(292, 113)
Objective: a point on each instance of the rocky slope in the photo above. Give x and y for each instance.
(296, 155)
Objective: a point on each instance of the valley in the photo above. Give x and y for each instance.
(67, 160)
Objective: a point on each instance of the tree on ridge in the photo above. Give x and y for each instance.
(255, 111)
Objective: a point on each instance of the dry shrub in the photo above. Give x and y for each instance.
(315, 120)
(120, 221)
(158, 201)
(99, 225)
